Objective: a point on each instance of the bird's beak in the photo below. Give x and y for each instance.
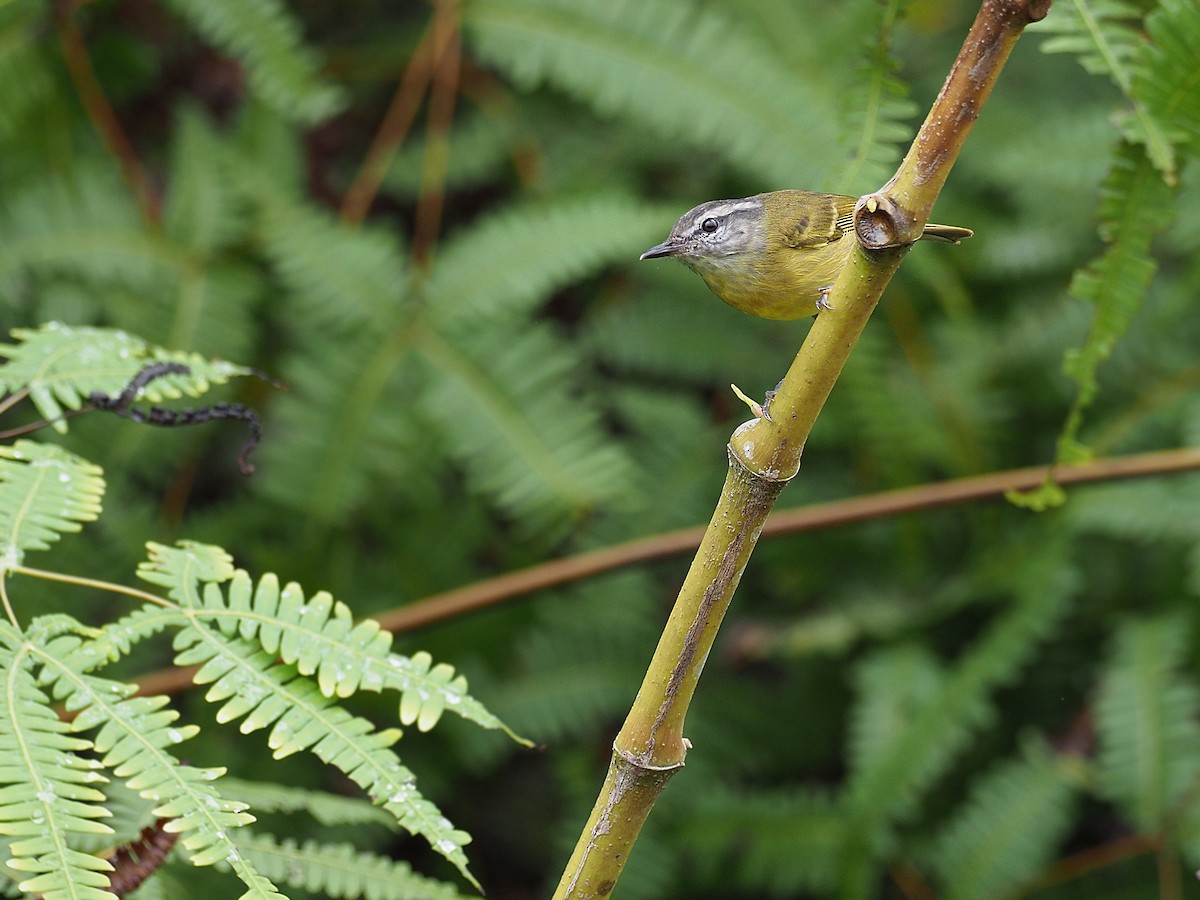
(666, 248)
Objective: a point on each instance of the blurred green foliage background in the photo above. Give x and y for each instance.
(978, 702)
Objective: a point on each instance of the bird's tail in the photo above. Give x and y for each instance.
(949, 234)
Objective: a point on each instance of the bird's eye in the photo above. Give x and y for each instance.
(709, 225)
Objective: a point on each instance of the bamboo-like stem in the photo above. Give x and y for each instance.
(764, 455)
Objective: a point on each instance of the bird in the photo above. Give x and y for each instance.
(773, 255)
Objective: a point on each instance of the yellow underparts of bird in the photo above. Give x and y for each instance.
(773, 255)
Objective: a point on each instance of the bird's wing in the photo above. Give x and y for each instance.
(825, 219)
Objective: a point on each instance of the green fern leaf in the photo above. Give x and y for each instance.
(47, 789)
(503, 403)
(1007, 829)
(314, 633)
(337, 274)
(893, 686)
(787, 842)
(45, 492)
(253, 687)
(62, 365)
(265, 37)
(1167, 79)
(505, 265)
(682, 69)
(341, 870)
(1102, 35)
(878, 112)
(1148, 721)
(1131, 213)
(133, 740)
(892, 778)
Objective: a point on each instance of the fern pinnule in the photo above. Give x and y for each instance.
(85, 229)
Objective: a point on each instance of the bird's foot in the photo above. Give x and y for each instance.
(823, 298)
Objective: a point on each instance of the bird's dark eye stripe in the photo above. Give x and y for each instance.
(710, 225)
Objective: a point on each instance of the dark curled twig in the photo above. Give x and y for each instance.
(171, 418)
(136, 861)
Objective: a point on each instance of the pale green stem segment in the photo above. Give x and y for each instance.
(764, 455)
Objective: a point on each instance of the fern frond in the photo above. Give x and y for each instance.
(503, 402)
(1148, 721)
(1007, 829)
(506, 264)
(1167, 78)
(683, 69)
(787, 842)
(314, 633)
(1131, 213)
(893, 686)
(47, 789)
(265, 36)
(45, 492)
(888, 785)
(341, 870)
(133, 740)
(62, 365)
(253, 687)
(337, 274)
(1103, 36)
(878, 112)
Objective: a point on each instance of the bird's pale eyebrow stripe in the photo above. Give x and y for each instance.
(727, 209)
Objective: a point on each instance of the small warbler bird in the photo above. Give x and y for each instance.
(772, 255)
